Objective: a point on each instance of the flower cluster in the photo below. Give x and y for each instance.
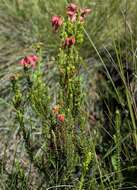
(73, 11)
(29, 61)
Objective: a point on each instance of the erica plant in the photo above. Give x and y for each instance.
(62, 144)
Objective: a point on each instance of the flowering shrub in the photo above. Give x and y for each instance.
(63, 144)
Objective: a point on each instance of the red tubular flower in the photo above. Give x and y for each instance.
(83, 13)
(61, 117)
(72, 16)
(72, 7)
(29, 61)
(56, 22)
(72, 12)
(69, 41)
